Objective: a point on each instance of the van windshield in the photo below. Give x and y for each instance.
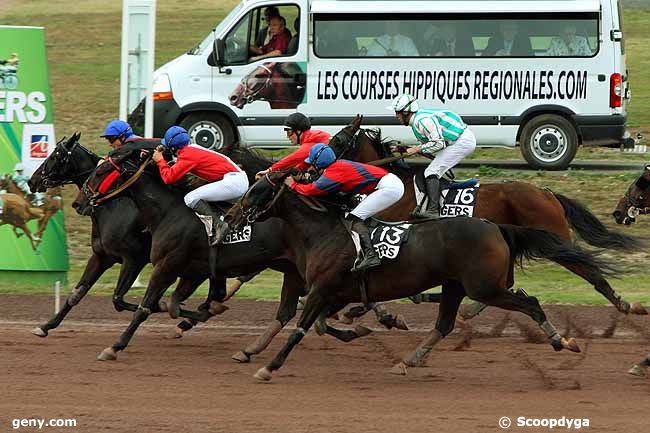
(209, 40)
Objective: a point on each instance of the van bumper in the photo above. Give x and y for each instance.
(601, 130)
(165, 114)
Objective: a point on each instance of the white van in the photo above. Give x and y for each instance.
(547, 75)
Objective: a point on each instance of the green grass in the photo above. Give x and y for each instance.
(83, 43)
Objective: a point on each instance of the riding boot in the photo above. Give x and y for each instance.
(219, 227)
(370, 257)
(433, 205)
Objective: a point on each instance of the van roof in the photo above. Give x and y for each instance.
(456, 6)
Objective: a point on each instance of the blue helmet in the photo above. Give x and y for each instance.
(176, 137)
(118, 128)
(321, 156)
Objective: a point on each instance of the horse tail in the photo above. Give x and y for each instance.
(594, 232)
(534, 244)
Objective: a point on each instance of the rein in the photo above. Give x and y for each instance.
(125, 185)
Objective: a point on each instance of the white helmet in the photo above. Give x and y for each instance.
(19, 167)
(404, 102)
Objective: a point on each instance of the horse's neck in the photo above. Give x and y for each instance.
(86, 163)
(154, 200)
(308, 227)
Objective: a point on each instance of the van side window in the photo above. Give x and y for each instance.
(456, 35)
(264, 32)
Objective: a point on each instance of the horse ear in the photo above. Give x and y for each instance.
(646, 172)
(76, 136)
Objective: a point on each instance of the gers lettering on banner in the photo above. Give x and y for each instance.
(21, 106)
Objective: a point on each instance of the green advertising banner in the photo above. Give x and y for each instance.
(32, 233)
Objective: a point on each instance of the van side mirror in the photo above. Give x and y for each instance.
(218, 56)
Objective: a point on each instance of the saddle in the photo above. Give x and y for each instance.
(457, 198)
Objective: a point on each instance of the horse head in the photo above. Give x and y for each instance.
(636, 200)
(343, 143)
(253, 86)
(61, 166)
(258, 201)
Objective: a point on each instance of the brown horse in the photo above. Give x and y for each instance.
(636, 200)
(17, 212)
(516, 203)
(281, 84)
(52, 203)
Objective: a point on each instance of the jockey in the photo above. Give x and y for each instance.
(20, 178)
(298, 129)
(440, 131)
(118, 133)
(228, 181)
(348, 177)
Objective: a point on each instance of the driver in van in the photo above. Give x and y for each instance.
(278, 43)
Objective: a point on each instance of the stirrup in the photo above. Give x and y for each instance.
(365, 263)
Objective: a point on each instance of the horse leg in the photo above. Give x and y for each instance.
(342, 335)
(452, 296)
(640, 369)
(158, 283)
(292, 287)
(529, 305)
(602, 286)
(212, 306)
(129, 271)
(95, 267)
(239, 281)
(313, 308)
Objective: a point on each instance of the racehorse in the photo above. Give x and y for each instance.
(283, 85)
(52, 203)
(472, 257)
(636, 200)
(179, 247)
(118, 235)
(17, 212)
(517, 203)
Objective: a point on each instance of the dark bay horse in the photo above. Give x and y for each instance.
(472, 257)
(516, 203)
(118, 234)
(283, 85)
(179, 248)
(636, 200)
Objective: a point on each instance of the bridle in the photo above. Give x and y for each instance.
(253, 213)
(633, 205)
(63, 156)
(251, 93)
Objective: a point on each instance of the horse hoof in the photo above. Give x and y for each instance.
(571, 344)
(400, 323)
(241, 357)
(217, 308)
(162, 307)
(108, 354)
(178, 333)
(39, 332)
(638, 371)
(263, 375)
(637, 308)
(362, 331)
(399, 369)
(346, 320)
(174, 310)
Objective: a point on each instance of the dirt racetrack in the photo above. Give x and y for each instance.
(160, 384)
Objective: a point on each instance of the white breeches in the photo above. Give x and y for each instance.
(451, 155)
(230, 188)
(389, 190)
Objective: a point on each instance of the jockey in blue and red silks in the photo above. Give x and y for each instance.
(118, 133)
(348, 177)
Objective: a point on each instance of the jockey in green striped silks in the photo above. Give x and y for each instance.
(440, 132)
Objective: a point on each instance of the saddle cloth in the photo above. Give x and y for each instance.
(457, 198)
(387, 238)
(243, 234)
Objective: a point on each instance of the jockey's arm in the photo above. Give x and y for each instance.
(429, 129)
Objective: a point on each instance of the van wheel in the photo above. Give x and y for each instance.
(210, 130)
(549, 142)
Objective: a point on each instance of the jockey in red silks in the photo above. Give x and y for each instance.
(298, 129)
(348, 177)
(228, 181)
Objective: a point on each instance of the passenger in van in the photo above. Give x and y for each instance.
(292, 48)
(509, 42)
(392, 44)
(440, 132)
(569, 44)
(298, 129)
(278, 43)
(264, 36)
(453, 42)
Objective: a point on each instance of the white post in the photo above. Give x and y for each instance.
(57, 297)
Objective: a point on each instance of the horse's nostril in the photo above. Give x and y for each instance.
(233, 97)
(617, 214)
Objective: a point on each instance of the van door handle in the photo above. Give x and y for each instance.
(195, 78)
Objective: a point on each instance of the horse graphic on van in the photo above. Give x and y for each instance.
(282, 85)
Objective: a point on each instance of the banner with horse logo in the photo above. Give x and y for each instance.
(32, 233)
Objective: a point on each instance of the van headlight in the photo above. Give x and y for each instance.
(162, 88)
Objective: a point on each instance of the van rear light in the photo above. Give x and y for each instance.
(615, 90)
